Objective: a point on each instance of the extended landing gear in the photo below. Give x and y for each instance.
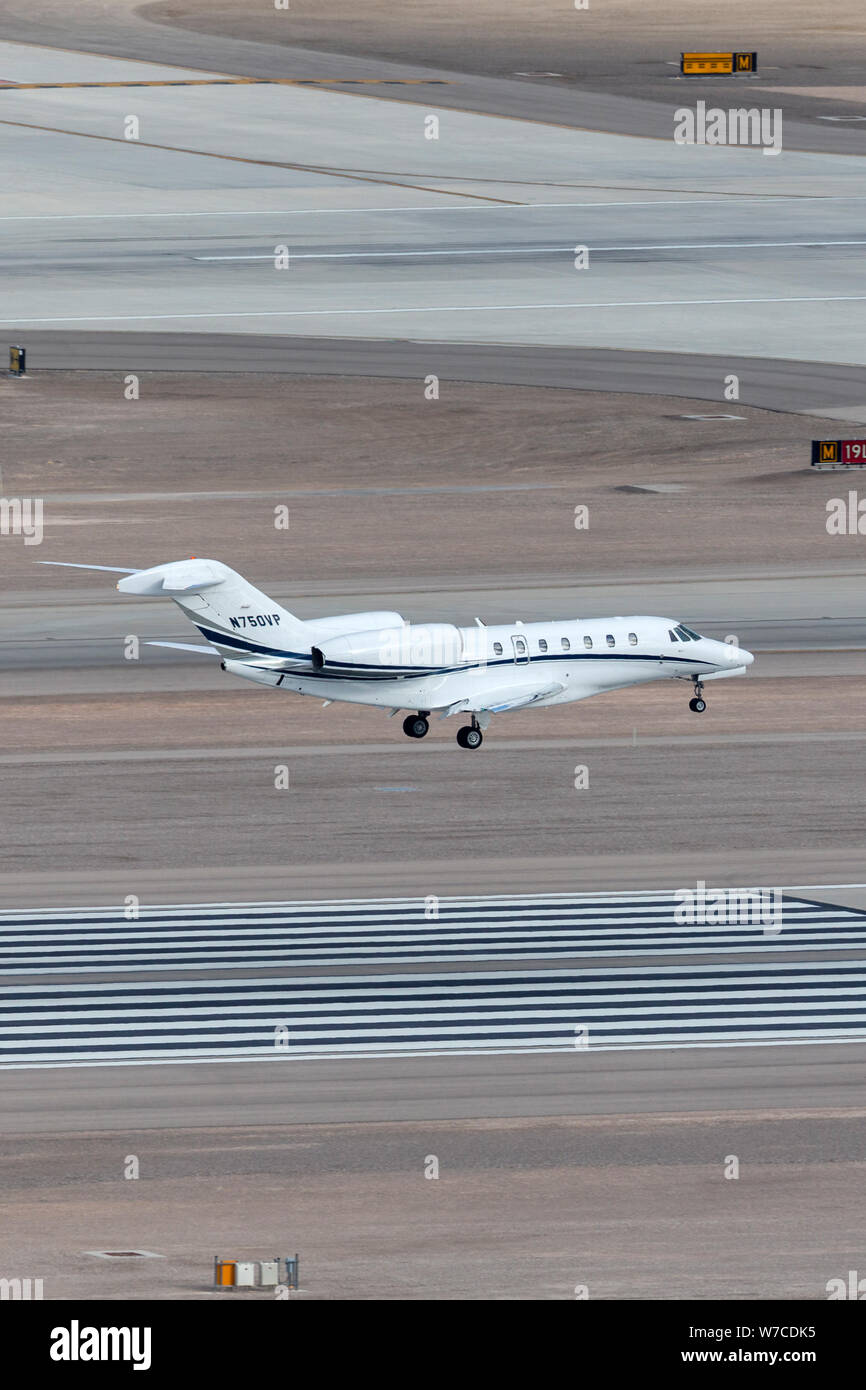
(416, 726)
(698, 705)
(470, 736)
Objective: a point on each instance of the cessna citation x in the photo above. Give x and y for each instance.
(379, 659)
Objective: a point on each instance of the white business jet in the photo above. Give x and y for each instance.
(379, 659)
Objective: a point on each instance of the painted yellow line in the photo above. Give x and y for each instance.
(240, 82)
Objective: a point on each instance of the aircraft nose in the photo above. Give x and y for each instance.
(740, 657)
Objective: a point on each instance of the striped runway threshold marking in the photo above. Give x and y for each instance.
(396, 931)
(452, 1014)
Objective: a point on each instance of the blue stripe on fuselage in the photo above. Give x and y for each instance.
(509, 661)
(222, 639)
(368, 671)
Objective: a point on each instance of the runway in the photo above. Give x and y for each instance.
(66, 640)
(249, 208)
(211, 936)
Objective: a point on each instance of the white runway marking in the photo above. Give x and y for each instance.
(423, 1015)
(596, 1007)
(439, 309)
(724, 199)
(524, 250)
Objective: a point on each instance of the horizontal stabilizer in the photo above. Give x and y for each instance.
(68, 565)
(185, 647)
(177, 577)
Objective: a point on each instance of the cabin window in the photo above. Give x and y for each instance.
(566, 645)
(610, 640)
(497, 648)
(542, 645)
(632, 637)
(587, 642)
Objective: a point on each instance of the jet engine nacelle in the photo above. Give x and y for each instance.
(344, 623)
(407, 650)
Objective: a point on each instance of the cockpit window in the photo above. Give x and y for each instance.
(672, 635)
(686, 633)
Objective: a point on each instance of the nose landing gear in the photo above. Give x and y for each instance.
(698, 705)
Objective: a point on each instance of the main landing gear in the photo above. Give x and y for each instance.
(417, 725)
(470, 736)
(698, 705)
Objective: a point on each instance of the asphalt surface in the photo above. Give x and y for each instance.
(811, 388)
(379, 817)
(692, 1081)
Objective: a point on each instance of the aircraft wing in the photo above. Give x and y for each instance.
(505, 697)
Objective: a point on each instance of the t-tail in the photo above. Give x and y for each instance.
(237, 619)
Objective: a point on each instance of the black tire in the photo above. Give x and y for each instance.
(469, 737)
(697, 705)
(415, 726)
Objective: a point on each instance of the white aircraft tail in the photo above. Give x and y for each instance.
(235, 617)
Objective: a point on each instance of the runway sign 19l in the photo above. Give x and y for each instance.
(839, 453)
(717, 64)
